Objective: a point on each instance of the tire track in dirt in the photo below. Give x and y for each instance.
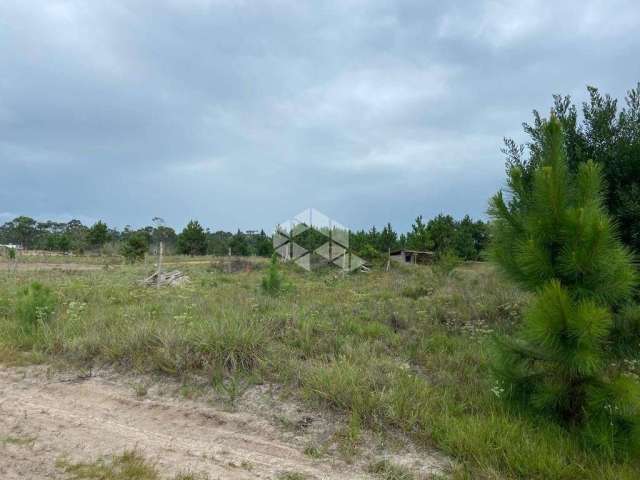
(95, 417)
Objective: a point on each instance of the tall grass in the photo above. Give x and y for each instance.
(355, 344)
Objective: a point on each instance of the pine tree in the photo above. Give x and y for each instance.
(272, 282)
(555, 239)
(135, 247)
(98, 234)
(193, 239)
(418, 238)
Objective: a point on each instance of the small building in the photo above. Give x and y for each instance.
(413, 257)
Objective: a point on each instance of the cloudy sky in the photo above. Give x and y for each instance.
(242, 113)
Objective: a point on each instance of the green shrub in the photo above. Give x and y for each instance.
(556, 240)
(446, 262)
(272, 282)
(35, 304)
(135, 247)
(369, 252)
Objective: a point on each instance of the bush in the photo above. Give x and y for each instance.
(369, 252)
(557, 241)
(272, 282)
(446, 262)
(35, 304)
(134, 248)
(193, 240)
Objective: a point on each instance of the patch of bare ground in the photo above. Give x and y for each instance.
(64, 267)
(46, 416)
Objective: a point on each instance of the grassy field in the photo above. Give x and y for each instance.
(404, 351)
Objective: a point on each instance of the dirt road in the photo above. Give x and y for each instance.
(44, 418)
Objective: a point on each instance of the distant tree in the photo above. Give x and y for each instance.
(192, 240)
(388, 239)
(441, 232)
(369, 252)
(58, 242)
(98, 234)
(239, 244)
(464, 243)
(402, 240)
(22, 230)
(357, 241)
(135, 247)
(311, 239)
(218, 242)
(470, 238)
(554, 238)
(77, 234)
(418, 238)
(165, 234)
(264, 245)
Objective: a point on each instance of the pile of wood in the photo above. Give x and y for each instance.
(162, 279)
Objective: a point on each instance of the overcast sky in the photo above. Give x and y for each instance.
(242, 113)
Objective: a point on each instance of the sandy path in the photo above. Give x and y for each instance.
(43, 419)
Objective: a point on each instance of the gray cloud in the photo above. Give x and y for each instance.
(242, 113)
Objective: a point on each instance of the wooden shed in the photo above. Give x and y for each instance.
(413, 257)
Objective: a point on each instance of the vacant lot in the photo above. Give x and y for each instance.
(380, 375)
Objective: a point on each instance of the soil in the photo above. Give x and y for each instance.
(40, 266)
(46, 416)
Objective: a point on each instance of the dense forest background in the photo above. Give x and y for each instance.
(466, 238)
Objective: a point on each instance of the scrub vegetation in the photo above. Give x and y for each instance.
(357, 344)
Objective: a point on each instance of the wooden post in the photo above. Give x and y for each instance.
(159, 272)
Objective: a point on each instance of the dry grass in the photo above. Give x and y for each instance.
(130, 465)
(401, 351)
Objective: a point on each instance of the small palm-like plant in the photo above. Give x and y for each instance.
(556, 239)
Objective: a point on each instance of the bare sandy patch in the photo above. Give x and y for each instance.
(45, 417)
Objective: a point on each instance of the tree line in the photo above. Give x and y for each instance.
(465, 238)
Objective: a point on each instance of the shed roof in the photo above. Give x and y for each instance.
(406, 250)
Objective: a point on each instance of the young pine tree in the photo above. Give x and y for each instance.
(555, 239)
(272, 282)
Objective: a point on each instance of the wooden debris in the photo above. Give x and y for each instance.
(171, 279)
